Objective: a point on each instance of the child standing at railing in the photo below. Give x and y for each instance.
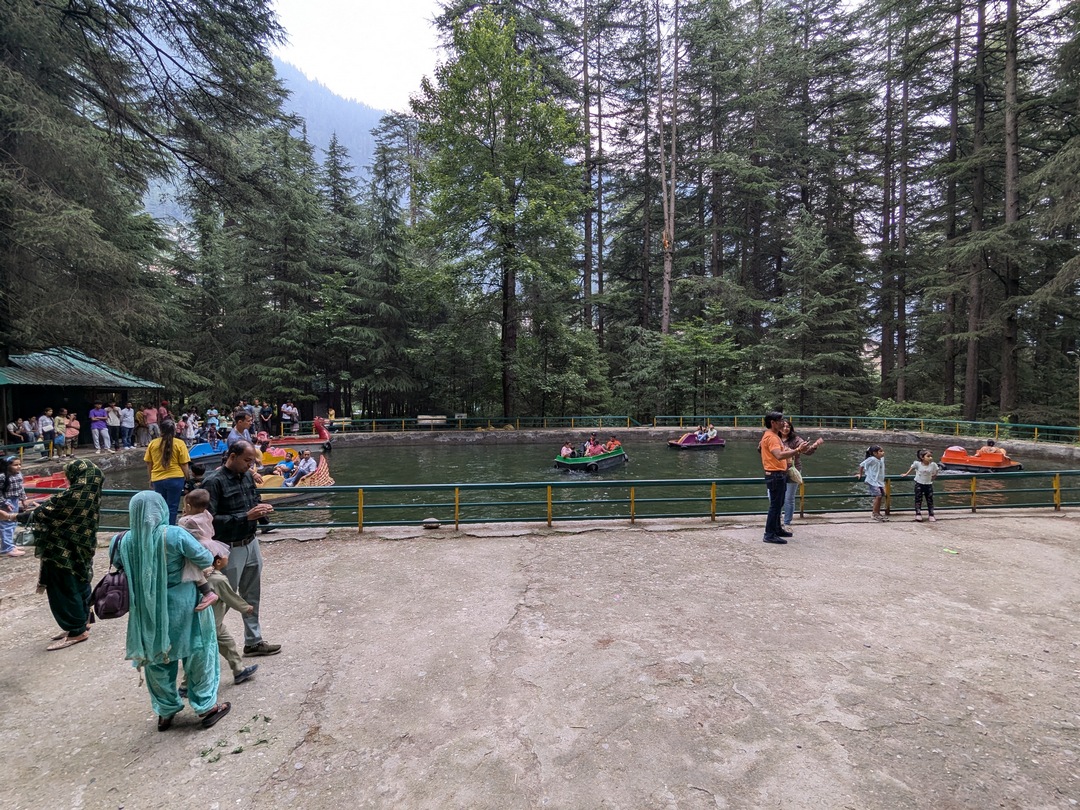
(926, 470)
(873, 467)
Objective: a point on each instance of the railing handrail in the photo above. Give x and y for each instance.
(721, 493)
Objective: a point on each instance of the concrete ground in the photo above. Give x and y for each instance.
(666, 665)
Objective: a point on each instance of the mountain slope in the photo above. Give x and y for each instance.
(324, 112)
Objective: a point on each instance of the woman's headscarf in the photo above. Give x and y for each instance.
(66, 525)
(142, 554)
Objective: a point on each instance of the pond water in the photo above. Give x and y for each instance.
(605, 493)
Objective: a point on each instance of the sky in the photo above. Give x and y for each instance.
(374, 51)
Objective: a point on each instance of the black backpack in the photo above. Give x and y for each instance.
(110, 598)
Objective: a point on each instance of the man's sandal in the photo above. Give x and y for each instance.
(215, 714)
(165, 723)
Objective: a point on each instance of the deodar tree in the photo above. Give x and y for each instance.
(504, 196)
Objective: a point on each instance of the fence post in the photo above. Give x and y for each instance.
(631, 505)
(549, 505)
(1057, 492)
(360, 511)
(457, 506)
(802, 500)
(713, 516)
(974, 491)
(888, 495)
(1036, 434)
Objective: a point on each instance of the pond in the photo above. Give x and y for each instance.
(604, 494)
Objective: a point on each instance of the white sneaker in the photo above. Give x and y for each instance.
(933, 519)
(918, 518)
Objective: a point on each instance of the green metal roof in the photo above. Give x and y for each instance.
(67, 368)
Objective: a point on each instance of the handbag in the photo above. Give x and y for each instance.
(110, 598)
(793, 475)
(24, 535)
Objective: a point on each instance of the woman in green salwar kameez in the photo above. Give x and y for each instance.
(65, 529)
(163, 628)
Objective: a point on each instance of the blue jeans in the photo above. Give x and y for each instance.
(776, 483)
(171, 489)
(789, 501)
(7, 527)
(125, 436)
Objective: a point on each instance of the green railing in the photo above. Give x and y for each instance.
(552, 502)
(942, 427)
(434, 423)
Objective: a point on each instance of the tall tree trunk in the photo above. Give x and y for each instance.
(901, 235)
(508, 344)
(949, 393)
(978, 203)
(1010, 336)
(586, 92)
(599, 199)
(886, 306)
(667, 174)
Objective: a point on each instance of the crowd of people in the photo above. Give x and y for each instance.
(116, 426)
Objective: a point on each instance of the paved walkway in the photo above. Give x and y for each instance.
(664, 665)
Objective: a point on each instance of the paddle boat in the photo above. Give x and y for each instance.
(688, 441)
(321, 437)
(320, 478)
(957, 458)
(51, 481)
(604, 461)
(207, 454)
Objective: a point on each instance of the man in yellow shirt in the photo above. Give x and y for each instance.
(774, 459)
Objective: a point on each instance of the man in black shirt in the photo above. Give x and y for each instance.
(234, 503)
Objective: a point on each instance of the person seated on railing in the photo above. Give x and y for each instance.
(567, 450)
(612, 444)
(990, 449)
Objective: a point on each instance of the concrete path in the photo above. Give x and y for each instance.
(665, 665)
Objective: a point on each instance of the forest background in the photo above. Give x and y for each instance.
(594, 206)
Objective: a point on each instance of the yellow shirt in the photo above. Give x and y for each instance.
(769, 442)
(179, 456)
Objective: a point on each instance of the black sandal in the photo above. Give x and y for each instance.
(214, 714)
(165, 723)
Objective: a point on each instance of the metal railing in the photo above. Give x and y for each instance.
(943, 427)
(433, 423)
(601, 500)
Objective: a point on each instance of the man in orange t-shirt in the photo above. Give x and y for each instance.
(774, 459)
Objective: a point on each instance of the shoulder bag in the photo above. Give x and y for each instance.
(110, 598)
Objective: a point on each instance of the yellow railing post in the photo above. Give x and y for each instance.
(851, 423)
(571, 422)
(997, 428)
(713, 499)
(631, 504)
(549, 506)
(922, 426)
(802, 499)
(736, 421)
(974, 491)
(1057, 492)
(888, 495)
(1036, 435)
(359, 511)
(457, 507)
